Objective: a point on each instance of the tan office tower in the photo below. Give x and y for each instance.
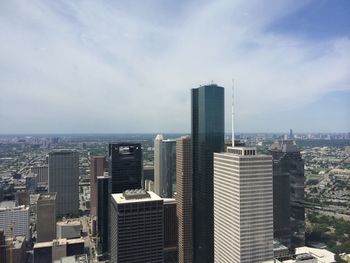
(97, 168)
(243, 207)
(46, 217)
(184, 198)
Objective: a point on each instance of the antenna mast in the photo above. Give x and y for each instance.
(233, 114)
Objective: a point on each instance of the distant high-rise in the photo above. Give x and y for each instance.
(288, 194)
(97, 168)
(31, 183)
(148, 177)
(164, 166)
(243, 209)
(103, 192)
(184, 198)
(64, 180)
(291, 136)
(207, 137)
(137, 231)
(125, 166)
(148, 172)
(41, 172)
(46, 217)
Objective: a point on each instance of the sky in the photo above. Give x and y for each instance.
(115, 66)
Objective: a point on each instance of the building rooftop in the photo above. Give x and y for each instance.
(62, 241)
(14, 208)
(104, 176)
(47, 196)
(242, 150)
(7, 204)
(68, 223)
(150, 196)
(135, 194)
(169, 141)
(17, 242)
(278, 246)
(74, 259)
(322, 255)
(284, 146)
(159, 137)
(169, 200)
(62, 151)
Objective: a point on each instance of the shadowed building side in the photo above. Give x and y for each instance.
(288, 180)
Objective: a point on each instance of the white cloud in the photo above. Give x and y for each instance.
(100, 66)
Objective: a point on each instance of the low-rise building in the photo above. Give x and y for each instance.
(68, 229)
(310, 255)
(59, 248)
(16, 249)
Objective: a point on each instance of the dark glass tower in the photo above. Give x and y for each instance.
(288, 194)
(103, 183)
(125, 166)
(208, 137)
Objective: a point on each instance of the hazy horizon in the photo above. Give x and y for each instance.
(128, 66)
(227, 133)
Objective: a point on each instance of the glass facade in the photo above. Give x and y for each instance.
(125, 166)
(208, 127)
(288, 194)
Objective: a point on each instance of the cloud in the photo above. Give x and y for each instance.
(128, 66)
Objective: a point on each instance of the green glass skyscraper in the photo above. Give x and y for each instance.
(208, 127)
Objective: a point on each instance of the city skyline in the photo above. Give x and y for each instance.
(68, 62)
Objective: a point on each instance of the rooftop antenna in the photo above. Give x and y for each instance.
(233, 114)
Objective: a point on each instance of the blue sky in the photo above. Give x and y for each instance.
(128, 66)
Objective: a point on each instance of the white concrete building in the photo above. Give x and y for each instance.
(164, 166)
(16, 218)
(243, 208)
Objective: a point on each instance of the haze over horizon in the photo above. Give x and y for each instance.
(128, 66)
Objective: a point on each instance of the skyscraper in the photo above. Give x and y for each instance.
(103, 193)
(137, 229)
(184, 198)
(97, 168)
(125, 166)
(64, 180)
(164, 166)
(288, 194)
(291, 136)
(207, 137)
(243, 219)
(46, 217)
